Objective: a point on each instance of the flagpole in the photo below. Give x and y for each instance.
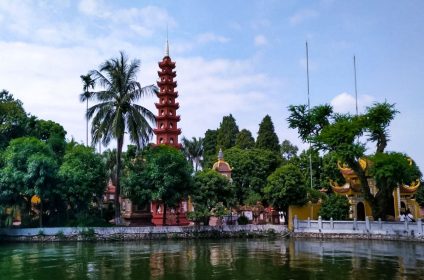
(309, 110)
(356, 89)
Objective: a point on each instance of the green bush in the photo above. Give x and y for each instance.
(242, 220)
(336, 207)
(420, 195)
(315, 195)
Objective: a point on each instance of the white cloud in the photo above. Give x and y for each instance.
(142, 21)
(223, 86)
(345, 103)
(260, 40)
(303, 16)
(211, 37)
(92, 8)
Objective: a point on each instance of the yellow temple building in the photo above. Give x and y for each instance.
(403, 196)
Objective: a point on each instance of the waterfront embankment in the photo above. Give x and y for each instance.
(368, 229)
(139, 233)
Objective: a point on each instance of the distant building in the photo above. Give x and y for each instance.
(222, 166)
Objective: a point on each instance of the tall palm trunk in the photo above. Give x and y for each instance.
(118, 179)
(86, 127)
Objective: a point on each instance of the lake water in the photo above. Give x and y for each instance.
(211, 259)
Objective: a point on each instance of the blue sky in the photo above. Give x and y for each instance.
(241, 57)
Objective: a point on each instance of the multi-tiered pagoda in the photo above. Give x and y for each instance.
(167, 130)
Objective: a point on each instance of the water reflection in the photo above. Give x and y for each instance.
(226, 259)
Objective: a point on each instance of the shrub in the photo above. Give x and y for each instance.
(420, 195)
(336, 207)
(242, 220)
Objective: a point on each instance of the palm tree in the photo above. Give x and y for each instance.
(88, 83)
(117, 113)
(193, 150)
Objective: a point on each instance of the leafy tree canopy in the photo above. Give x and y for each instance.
(227, 133)
(245, 140)
(285, 187)
(336, 207)
(267, 138)
(210, 189)
(288, 150)
(250, 169)
(83, 176)
(193, 150)
(210, 151)
(341, 135)
(12, 118)
(165, 172)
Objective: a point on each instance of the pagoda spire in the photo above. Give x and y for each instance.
(167, 43)
(167, 130)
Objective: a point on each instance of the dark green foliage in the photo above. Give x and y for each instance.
(210, 187)
(288, 150)
(285, 187)
(315, 195)
(211, 190)
(242, 220)
(30, 168)
(133, 181)
(267, 138)
(390, 170)
(193, 150)
(330, 171)
(378, 120)
(419, 196)
(245, 140)
(84, 179)
(12, 118)
(336, 207)
(253, 198)
(161, 174)
(227, 133)
(303, 163)
(250, 169)
(210, 151)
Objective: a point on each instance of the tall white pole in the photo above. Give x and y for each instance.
(309, 109)
(356, 89)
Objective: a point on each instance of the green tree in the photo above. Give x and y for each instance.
(267, 138)
(84, 179)
(330, 171)
(88, 82)
(341, 134)
(167, 176)
(288, 150)
(389, 171)
(30, 168)
(117, 113)
(227, 133)
(304, 165)
(209, 148)
(50, 132)
(336, 207)
(209, 190)
(250, 169)
(420, 195)
(193, 150)
(245, 140)
(285, 187)
(12, 118)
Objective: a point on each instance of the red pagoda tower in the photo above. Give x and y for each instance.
(166, 130)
